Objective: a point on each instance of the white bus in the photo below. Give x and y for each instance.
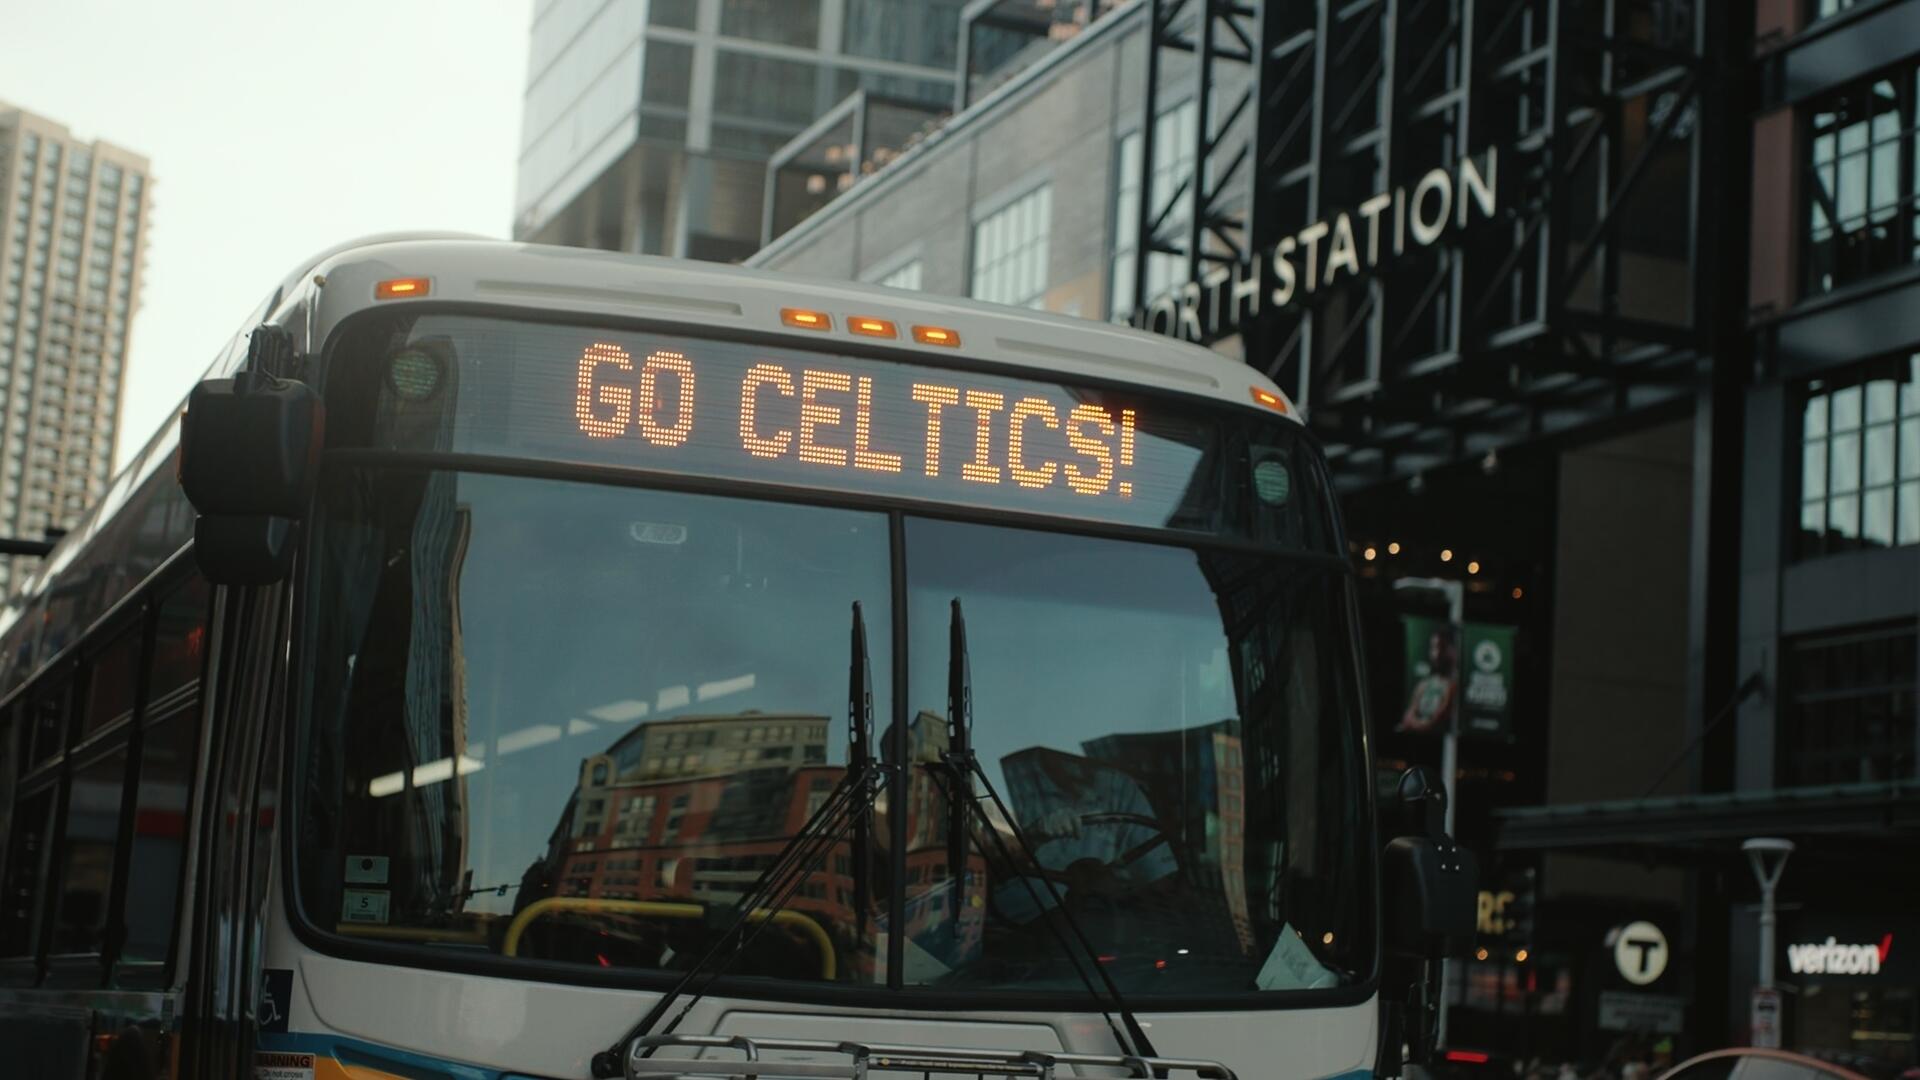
(528, 662)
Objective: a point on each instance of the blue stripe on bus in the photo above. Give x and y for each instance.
(361, 1054)
(411, 1066)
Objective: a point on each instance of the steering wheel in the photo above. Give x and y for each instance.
(1089, 876)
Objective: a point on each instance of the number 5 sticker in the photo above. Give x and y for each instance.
(364, 906)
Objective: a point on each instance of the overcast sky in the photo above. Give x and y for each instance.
(275, 130)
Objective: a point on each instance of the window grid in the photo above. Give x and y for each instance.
(1173, 142)
(1010, 251)
(1849, 717)
(1862, 192)
(1860, 459)
(904, 276)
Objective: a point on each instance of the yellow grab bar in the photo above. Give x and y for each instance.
(829, 960)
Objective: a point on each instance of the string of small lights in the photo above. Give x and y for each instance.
(1372, 553)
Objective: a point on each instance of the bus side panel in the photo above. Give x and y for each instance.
(45, 1040)
(242, 779)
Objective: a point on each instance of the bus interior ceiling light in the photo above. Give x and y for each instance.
(405, 288)
(806, 320)
(860, 324)
(936, 335)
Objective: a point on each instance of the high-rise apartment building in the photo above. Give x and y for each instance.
(72, 229)
(648, 123)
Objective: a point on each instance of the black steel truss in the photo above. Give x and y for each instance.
(1581, 298)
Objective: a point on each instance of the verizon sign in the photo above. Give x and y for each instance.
(1833, 958)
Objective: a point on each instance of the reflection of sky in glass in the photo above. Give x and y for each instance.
(568, 650)
(1070, 639)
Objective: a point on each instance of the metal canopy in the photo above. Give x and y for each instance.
(1580, 298)
(1680, 829)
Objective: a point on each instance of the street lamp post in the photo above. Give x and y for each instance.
(1768, 857)
(1456, 594)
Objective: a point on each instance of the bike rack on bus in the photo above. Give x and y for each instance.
(865, 1059)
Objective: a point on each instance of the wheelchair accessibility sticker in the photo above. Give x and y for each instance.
(276, 999)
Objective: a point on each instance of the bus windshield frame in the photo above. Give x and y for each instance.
(1176, 579)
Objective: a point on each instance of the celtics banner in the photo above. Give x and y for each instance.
(1457, 685)
(1487, 710)
(1433, 687)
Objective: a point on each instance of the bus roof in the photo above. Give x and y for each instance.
(709, 297)
(143, 520)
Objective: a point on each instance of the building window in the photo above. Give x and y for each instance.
(783, 22)
(1860, 458)
(904, 276)
(765, 88)
(1861, 185)
(1173, 144)
(679, 14)
(1849, 717)
(1826, 9)
(1010, 251)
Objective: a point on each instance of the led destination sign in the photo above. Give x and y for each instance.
(799, 417)
(825, 416)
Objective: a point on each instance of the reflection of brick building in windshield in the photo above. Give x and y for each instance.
(695, 808)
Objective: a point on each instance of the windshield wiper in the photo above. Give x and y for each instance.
(963, 772)
(848, 809)
(860, 761)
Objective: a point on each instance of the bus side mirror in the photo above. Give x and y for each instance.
(249, 457)
(1430, 884)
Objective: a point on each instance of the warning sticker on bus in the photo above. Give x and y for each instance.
(271, 1066)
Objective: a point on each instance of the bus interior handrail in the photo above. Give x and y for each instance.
(829, 958)
(863, 1059)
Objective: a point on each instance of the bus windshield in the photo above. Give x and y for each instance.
(565, 722)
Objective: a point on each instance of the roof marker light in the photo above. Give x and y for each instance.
(860, 324)
(405, 288)
(806, 320)
(936, 335)
(1270, 399)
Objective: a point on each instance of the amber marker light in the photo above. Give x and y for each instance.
(936, 335)
(401, 288)
(1268, 398)
(806, 320)
(860, 324)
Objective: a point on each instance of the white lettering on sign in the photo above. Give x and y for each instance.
(1326, 252)
(1486, 687)
(1832, 958)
